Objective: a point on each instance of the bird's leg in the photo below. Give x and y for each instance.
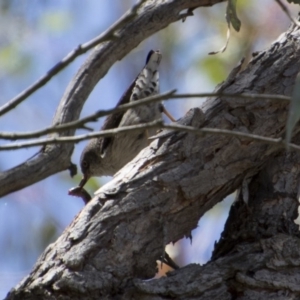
(166, 259)
(167, 114)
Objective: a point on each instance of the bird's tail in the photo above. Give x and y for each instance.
(147, 82)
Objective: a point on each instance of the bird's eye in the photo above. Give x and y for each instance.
(85, 164)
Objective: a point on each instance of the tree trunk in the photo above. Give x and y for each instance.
(112, 245)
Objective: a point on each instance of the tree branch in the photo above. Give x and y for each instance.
(95, 67)
(257, 256)
(91, 118)
(287, 12)
(78, 138)
(155, 124)
(109, 34)
(101, 113)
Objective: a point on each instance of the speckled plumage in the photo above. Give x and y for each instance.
(105, 156)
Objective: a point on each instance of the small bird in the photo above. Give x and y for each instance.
(106, 155)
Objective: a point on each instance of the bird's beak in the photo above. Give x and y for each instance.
(83, 181)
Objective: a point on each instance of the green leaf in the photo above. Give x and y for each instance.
(294, 112)
(231, 15)
(214, 68)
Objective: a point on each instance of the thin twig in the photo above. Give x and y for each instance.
(80, 123)
(287, 12)
(155, 124)
(166, 96)
(250, 136)
(242, 96)
(78, 138)
(109, 34)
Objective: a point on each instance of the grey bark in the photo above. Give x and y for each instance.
(258, 255)
(153, 16)
(158, 198)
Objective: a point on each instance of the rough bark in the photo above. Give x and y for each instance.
(114, 242)
(153, 16)
(258, 255)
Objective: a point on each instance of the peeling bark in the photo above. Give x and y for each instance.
(258, 254)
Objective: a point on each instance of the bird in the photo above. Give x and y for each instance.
(104, 156)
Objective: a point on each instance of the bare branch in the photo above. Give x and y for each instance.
(156, 124)
(56, 158)
(235, 96)
(101, 113)
(287, 12)
(80, 123)
(75, 139)
(109, 34)
(217, 131)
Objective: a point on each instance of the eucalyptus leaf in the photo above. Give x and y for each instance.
(231, 15)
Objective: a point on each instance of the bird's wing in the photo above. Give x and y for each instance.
(145, 84)
(113, 120)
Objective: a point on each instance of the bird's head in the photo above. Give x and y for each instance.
(90, 163)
